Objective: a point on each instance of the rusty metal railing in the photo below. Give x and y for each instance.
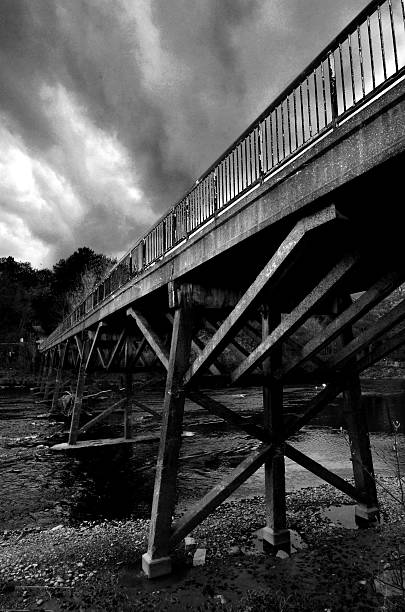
(360, 62)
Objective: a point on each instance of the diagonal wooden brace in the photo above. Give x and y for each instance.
(293, 320)
(151, 337)
(383, 287)
(277, 262)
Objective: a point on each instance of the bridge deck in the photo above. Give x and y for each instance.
(363, 153)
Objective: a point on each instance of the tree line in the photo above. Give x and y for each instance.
(33, 302)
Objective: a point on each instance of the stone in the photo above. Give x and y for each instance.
(281, 554)
(199, 557)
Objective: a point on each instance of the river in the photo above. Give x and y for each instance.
(41, 487)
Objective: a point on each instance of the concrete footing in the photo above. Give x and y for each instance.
(278, 540)
(154, 568)
(366, 514)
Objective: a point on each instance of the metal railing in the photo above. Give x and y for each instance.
(367, 55)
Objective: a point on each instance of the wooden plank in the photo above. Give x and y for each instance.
(117, 348)
(83, 444)
(219, 493)
(164, 496)
(323, 473)
(280, 260)
(301, 312)
(101, 416)
(152, 338)
(383, 287)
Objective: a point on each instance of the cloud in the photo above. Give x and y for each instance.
(110, 110)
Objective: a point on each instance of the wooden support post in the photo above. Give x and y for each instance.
(156, 561)
(275, 532)
(128, 393)
(42, 379)
(59, 374)
(49, 373)
(78, 400)
(359, 439)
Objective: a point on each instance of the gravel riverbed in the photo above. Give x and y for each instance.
(97, 565)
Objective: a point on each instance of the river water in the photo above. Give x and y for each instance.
(42, 487)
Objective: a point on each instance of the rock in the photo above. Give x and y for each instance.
(234, 550)
(39, 602)
(199, 557)
(281, 554)
(221, 599)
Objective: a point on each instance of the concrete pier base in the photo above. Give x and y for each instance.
(154, 568)
(277, 540)
(366, 515)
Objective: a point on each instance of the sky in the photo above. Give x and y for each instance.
(110, 109)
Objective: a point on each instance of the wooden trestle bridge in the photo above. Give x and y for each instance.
(302, 214)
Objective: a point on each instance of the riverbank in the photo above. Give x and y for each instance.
(96, 566)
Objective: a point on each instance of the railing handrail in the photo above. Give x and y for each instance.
(239, 182)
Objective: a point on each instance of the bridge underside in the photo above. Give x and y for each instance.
(302, 302)
(287, 285)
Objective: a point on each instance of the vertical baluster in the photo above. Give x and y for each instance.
(289, 125)
(295, 118)
(265, 145)
(260, 151)
(250, 160)
(234, 171)
(271, 140)
(277, 136)
(363, 87)
(302, 115)
(246, 163)
(282, 129)
(382, 43)
(342, 74)
(325, 108)
(370, 46)
(394, 40)
(316, 101)
(351, 69)
(238, 164)
(309, 108)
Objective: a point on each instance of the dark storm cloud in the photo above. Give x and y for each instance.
(110, 110)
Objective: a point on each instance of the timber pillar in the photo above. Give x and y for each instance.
(275, 532)
(156, 561)
(359, 440)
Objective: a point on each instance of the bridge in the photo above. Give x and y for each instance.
(276, 257)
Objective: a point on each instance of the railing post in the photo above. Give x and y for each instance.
(260, 152)
(332, 86)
